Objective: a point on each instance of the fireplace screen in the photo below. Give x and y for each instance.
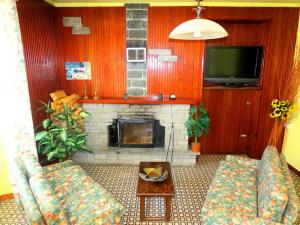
(139, 132)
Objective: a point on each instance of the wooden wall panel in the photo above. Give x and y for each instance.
(37, 24)
(184, 77)
(105, 48)
(267, 27)
(234, 118)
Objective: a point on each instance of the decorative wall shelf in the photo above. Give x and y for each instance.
(139, 101)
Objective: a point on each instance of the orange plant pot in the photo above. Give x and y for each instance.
(196, 147)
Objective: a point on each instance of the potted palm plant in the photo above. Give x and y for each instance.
(62, 133)
(197, 124)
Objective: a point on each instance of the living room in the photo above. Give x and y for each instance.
(157, 87)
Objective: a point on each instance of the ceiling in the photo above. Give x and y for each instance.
(223, 3)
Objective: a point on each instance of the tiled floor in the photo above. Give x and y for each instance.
(191, 185)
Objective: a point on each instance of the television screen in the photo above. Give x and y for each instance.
(232, 64)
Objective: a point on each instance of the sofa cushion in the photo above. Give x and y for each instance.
(58, 166)
(292, 210)
(233, 192)
(272, 190)
(26, 197)
(48, 202)
(243, 161)
(85, 201)
(31, 164)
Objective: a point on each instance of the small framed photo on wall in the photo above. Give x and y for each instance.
(78, 70)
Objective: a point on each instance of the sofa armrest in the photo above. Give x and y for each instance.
(58, 166)
(217, 220)
(243, 161)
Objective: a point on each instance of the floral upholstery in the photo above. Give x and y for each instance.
(26, 198)
(47, 200)
(85, 201)
(236, 198)
(247, 191)
(62, 194)
(272, 190)
(292, 210)
(31, 164)
(243, 161)
(58, 166)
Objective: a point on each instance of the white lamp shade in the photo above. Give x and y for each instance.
(198, 29)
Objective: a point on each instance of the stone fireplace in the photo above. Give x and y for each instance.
(149, 126)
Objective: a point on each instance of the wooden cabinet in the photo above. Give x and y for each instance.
(234, 117)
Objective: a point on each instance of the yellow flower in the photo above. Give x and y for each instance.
(284, 102)
(284, 116)
(275, 103)
(284, 109)
(272, 115)
(277, 112)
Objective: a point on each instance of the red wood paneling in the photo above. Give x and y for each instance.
(184, 77)
(105, 48)
(234, 117)
(258, 26)
(37, 23)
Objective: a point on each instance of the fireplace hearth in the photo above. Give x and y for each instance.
(138, 132)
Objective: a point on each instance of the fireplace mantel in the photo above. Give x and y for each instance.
(139, 101)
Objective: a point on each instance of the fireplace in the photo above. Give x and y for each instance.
(138, 132)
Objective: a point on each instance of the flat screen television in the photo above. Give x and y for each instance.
(233, 64)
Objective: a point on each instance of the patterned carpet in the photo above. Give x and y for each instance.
(191, 185)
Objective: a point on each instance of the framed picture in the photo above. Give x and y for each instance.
(78, 70)
(136, 54)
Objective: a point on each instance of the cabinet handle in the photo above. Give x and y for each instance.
(248, 103)
(243, 135)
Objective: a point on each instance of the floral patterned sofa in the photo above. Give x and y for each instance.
(62, 194)
(248, 191)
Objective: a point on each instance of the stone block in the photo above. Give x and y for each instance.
(72, 22)
(89, 106)
(135, 92)
(180, 106)
(136, 6)
(136, 65)
(163, 51)
(81, 30)
(140, 83)
(137, 34)
(144, 24)
(134, 24)
(113, 106)
(167, 58)
(135, 73)
(136, 14)
(135, 43)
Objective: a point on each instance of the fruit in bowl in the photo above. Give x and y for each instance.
(153, 172)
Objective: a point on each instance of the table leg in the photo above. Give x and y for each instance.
(142, 208)
(168, 207)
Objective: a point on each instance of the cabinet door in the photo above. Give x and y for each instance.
(234, 117)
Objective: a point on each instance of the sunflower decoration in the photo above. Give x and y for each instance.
(282, 109)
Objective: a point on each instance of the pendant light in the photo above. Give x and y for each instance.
(198, 29)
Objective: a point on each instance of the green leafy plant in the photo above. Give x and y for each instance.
(198, 122)
(62, 133)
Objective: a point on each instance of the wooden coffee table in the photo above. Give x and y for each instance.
(148, 189)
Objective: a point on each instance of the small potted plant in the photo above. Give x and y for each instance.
(62, 133)
(197, 124)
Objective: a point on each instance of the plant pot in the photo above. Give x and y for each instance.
(196, 147)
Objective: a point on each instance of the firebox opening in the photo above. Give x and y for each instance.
(136, 132)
